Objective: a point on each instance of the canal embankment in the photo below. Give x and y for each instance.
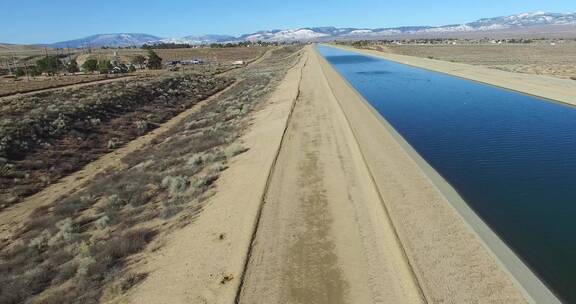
(455, 256)
(551, 88)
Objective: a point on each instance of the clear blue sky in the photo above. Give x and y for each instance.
(39, 21)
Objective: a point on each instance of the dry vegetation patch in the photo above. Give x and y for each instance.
(47, 136)
(553, 59)
(10, 86)
(77, 249)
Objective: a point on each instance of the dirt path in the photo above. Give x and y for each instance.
(67, 86)
(203, 262)
(555, 89)
(13, 217)
(323, 235)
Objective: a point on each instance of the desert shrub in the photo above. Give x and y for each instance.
(115, 249)
(73, 205)
(141, 127)
(84, 264)
(41, 241)
(102, 222)
(234, 150)
(171, 208)
(113, 143)
(132, 280)
(67, 231)
(203, 182)
(175, 184)
(65, 273)
(113, 202)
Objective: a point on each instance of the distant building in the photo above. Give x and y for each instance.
(191, 62)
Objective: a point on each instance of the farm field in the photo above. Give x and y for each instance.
(217, 60)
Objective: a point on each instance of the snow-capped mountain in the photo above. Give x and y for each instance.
(284, 35)
(195, 40)
(527, 19)
(519, 21)
(485, 25)
(112, 40)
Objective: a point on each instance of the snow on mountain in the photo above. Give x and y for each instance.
(113, 40)
(526, 19)
(196, 40)
(523, 20)
(285, 35)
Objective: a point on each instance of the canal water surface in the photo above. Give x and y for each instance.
(511, 157)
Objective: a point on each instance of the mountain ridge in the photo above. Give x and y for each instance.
(483, 25)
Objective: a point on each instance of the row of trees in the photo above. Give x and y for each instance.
(105, 66)
(51, 65)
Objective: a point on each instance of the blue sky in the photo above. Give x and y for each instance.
(36, 21)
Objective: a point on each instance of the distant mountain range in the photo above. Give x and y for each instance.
(507, 24)
(112, 40)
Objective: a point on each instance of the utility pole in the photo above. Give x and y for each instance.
(14, 63)
(8, 65)
(26, 70)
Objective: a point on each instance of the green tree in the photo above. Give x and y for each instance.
(72, 66)
(154, 61)
(104, 66)
(19, 72)
(131, 68)
(139, 60)
(34, 71)
(90, 65)
(48, 64)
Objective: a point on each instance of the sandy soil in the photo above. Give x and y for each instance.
(203, 262)
(562, 90)
(544, 58)
(323, 236)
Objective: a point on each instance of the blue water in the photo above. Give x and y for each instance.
(512, 157)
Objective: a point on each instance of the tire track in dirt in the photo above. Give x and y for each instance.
(322, 235)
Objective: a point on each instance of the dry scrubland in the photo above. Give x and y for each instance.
(46, 136)
(78, 248)
(220, 60)
(535, 58)
(10, 87)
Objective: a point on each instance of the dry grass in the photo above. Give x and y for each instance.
(557, 60)
(47, 136)
(24, 84)
(206, 54)
(76, 250)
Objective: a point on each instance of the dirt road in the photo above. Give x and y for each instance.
(555, 89)
(323, 236)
